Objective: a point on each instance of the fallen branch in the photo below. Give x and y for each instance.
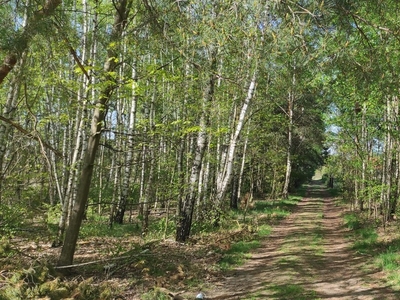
(99, 261)
(174, 296)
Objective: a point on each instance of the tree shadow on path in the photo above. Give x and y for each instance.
(306, 257)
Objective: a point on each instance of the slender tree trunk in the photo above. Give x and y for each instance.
(395, 171)
(121, 207)
(101, 185)
(285, 192)
(116, 186)
(71, 236)
(364, 157)
(186, 207)
(53, 134)
(242, 165)
(387, 163)
(148, 195)
(147, 160)
(80, 124)
(224, 176)
(9, 110)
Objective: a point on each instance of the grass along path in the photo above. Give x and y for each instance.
(306, 257)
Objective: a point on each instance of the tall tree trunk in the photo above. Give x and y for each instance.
(291, 97)
(364, 157)
(225, 174)
(147, 173)
(8, 112)
(121, 207)
(395, 167)
(80, 123)
(387, 163)
(71, 235)
(186, 206)
(242, 165)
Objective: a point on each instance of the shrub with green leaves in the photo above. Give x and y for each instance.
(11, 218)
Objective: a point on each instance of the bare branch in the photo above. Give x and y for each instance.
(30, 135)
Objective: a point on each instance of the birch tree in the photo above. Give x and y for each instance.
(224, 176)
(186, 206)
(71, 236)
(121, 207)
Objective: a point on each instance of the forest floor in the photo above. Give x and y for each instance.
(307, 256)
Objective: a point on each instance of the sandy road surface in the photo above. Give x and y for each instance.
(306, 257)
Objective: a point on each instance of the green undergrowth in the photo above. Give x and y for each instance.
(292, 291)
(384, 253)
(260, 219)
(16, 220)
(276, 209)
(42, 282)
(334, 192)
(363, 233)
(389, 261)
(141, 259)
(237, 254)
(156, 294)
(285, 292)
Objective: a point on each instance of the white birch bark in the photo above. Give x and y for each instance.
(224, 176)
(291, 96)
(186, 207)
(72, 232)
(54, 178)
(242, 165)
(386, 174)
(79, 125)
(121, 207)
(148, 188)
(364, 156)
(6, 129)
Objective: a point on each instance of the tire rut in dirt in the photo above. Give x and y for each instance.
(307, 251)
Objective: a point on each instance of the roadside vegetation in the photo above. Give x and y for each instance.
(381, 246)
(120, 261)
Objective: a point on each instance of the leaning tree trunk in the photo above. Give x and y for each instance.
(8, 112)
(71, 235)
(225, 174)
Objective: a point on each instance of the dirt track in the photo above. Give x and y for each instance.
(306, 257)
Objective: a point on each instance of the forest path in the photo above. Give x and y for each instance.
(307, 256)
